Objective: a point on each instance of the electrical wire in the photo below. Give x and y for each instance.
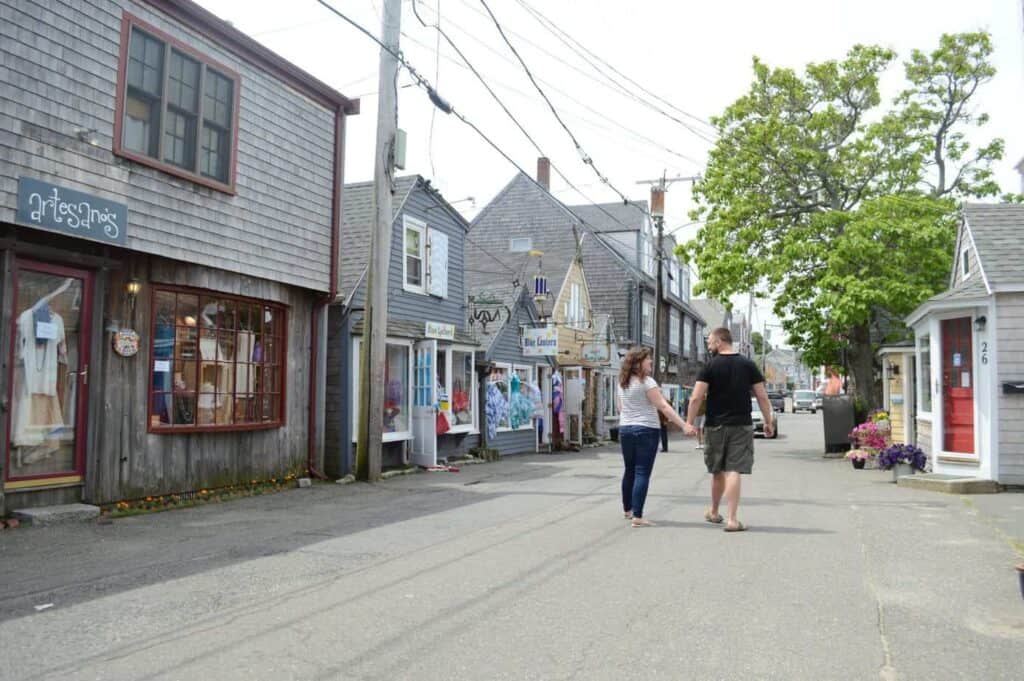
(583, 155)
(437, 81)
(441, 32)
(569, 42)
(447, 108)
(632, 133)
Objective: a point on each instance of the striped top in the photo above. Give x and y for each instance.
(635, 408)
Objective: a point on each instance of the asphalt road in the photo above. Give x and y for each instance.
(525, 569)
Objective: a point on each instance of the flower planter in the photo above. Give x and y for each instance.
(901, 469)
(858, 463)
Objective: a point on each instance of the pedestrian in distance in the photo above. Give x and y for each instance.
(727, 381)
(640, 403)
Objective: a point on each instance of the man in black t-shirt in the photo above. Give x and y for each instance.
(727, 381)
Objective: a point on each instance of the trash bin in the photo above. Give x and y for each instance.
(838, 419)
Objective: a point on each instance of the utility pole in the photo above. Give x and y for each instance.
(658, 189)
(375, 317)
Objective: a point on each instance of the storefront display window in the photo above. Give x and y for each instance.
(218, 362)
(462, 389)
(499, 380)
(396, 389)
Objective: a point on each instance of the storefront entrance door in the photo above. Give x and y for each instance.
(50, 374)
(957, 386)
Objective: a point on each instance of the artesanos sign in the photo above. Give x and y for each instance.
(45, 205)
(439, 331)
(538, 342)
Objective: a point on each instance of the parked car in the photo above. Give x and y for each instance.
(804, 400)
(819, 399)
(755, 416)
(778, 400)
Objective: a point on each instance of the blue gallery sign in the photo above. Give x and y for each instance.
(41, 204)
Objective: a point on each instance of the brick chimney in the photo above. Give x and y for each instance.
(544, 172)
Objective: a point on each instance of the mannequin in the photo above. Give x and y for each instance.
(40, 349)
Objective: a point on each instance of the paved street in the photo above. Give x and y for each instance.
(525, 569)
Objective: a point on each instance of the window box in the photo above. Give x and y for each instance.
(218, 362)
(177, 110)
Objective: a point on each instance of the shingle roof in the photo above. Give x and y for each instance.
(998, 232)
(613, 217)
(501, 295)
(521, 209)
(356, 216)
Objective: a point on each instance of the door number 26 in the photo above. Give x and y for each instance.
(984, 352)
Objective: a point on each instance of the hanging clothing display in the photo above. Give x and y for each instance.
(496, 409)
(37, 418)
(520, 406)
(214, 400)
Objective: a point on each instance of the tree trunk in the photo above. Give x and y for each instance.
(862, 367)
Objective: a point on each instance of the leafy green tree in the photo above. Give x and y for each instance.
(843, 209)
(757, 340)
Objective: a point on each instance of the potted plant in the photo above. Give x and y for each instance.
(868, 435)
(860, 456)
(881, 420)
(902, 459)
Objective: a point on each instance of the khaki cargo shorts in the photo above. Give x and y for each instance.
(729, 449)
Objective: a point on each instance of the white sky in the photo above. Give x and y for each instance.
(696, 55)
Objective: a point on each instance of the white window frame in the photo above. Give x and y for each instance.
(512, 244)
(647, 318)
(574, 306)
(965, 264)
(673, 329)
(924, 382)
(448, 351)
(688, 333)
(648, 255)
(531, 370)
(356, 346)
(508, 375)
(412, 224)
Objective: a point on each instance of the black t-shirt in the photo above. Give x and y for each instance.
(729, 379)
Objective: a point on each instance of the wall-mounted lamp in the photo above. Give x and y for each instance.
(979, 323)
(131, 291)
(87, 135)
(894, 369)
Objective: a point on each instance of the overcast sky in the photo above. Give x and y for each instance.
(694, 55)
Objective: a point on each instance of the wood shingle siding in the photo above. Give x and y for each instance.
(1011, 368)
(59, 73)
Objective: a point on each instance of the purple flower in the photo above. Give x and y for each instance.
(902, 453)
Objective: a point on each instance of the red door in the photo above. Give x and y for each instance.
(50, 361)
(957, 386)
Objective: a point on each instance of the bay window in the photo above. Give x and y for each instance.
(218, 362)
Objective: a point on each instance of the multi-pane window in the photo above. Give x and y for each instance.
(413, 254)
(574, 307)
(648, 318)
(673, 329)
(218, 361)
(178, 109)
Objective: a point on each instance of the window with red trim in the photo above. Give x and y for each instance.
(177, 108)
(218, 362)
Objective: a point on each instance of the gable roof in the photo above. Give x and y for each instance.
(713, 312)
(997, 232)
(613, 217)
(357, 217)
(520, 209)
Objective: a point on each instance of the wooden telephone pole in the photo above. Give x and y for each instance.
(375, 317)
(658, 189)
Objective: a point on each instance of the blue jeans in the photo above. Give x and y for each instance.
(639, 447)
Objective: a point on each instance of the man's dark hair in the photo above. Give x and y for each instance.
(723, 334)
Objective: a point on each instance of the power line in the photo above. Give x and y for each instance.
(442, 32)
(583, 155)
(569, 42)
(447, 108)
